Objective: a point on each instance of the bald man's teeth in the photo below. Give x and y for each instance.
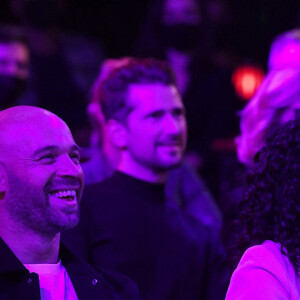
(65, 194)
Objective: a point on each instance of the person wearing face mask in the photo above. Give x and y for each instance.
(14, 66)
(180, 32)
(63, 64)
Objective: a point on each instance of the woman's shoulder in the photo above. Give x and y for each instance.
(264, 272)
(263, 253)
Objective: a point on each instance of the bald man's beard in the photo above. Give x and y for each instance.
(31, 208)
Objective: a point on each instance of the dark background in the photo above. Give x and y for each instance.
(254, 23)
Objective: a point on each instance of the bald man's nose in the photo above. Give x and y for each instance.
(67, 167)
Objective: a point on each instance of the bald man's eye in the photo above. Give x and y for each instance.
(47, 158)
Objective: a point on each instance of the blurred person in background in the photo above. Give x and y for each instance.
(268, 244)
(182, 32)
(277, 100)
(14, 66)
(63, 64)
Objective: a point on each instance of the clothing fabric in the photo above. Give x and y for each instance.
(264, 273)
(184, 188)
(55, 283)
(16, 282)
(127, 225)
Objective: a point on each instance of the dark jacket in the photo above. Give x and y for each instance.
(17, 283)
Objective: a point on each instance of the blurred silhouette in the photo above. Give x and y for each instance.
(14, 66)
(278, 98)
(63, 65)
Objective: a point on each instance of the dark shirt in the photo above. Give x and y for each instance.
(16, 282)
(127, 225)
(184, 187)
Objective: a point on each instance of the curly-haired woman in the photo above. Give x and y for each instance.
(270, 222)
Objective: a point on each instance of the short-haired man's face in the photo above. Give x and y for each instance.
(156, 128)
(45, 178)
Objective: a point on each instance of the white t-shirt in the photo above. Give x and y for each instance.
(55, 283)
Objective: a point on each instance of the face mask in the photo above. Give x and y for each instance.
(11, 88)
(182, 37)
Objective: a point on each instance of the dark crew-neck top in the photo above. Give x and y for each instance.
(127, 225)
(147, 191)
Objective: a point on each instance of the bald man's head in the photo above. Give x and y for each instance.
(20, 123)
(39, 169)
(19, 114)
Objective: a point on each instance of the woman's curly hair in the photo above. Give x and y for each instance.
(270, 209)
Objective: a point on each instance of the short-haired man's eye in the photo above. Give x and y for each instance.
(178, 113)
(156, 114)
(75, 157)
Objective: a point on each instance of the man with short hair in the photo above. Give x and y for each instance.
(127, 224)
(183, 186)
(41, 183)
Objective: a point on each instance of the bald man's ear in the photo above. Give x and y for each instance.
(117, 133)
(3, 182)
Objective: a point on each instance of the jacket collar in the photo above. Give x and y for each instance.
(72, 263)
(9, 262)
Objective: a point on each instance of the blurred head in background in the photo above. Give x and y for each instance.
(14, 65)
(276, 101)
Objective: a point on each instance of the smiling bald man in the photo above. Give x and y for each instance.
(41, 183)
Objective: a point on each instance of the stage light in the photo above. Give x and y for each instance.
(246, 79)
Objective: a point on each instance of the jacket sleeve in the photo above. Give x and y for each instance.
(185, 187)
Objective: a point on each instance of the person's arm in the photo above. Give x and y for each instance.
(217, 275)
(185, 187)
